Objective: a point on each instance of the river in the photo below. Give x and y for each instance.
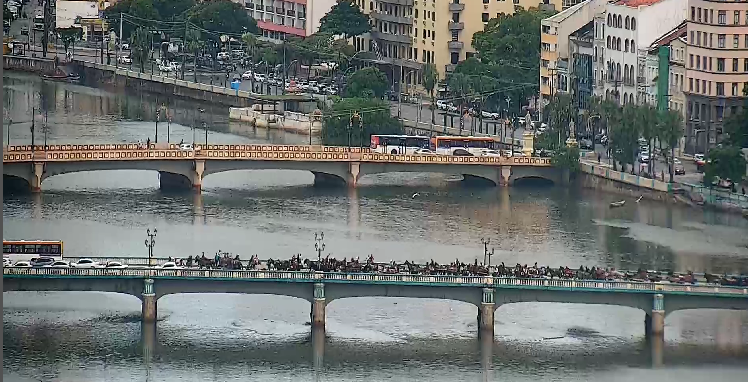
(274, 214)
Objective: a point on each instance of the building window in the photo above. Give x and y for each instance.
(484, 17)
(690, 61)
(745, 65)
(720, 88)
(693, 13)
(609, 19)
(734, 64)
(698, 38)
(736, 18)
(699, 19)
(736, 41)
(628, 23)
(720, 64)
(633, 24)
(690, 84)
(734, 89)
(721, 40)
(722, 17)
(698, 62)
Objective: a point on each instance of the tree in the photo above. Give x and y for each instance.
(69, 35)
(7, 15)
(367, 83)
(221, 16)
(141, 9)
(460, 86)
(511, 45)
(375, 119)
(736, 126)
(669, 132)
(250, 45)
(567, 158)
(430, 79)
(141, 46)
(194, 44)
(646, 122)
(559, 113)
(624, 136)
(172, 10)
(725, 163)
(345, 18)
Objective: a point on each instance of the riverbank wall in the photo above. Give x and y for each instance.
(95, 74)
(299, 123)
(29, 64)
(605, 179)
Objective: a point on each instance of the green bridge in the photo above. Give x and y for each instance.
(656, 299)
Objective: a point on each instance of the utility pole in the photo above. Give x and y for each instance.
(184, 49)
(119, 45)
(283, 86)
(47, 22)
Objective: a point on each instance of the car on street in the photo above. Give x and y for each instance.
(6, 262)
(59, 264)
(699, 159)
(115, 265)
(186, 146)
(168, 265)
(125, 46)
(42, 261)
(643, 157)
(423, 152)
(22, 264)
(586, 144)
(124, 59)
(247, 75)
(86, 264)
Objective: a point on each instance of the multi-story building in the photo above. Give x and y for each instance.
(408, 33)
(86, 15)
(555, 46)
(630, 27)
(717, 66)
(277, 19)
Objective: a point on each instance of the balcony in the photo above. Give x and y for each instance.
(456, 45)
(455, 26)
(401, 38)
(456, 7)
(391, 18)
(269, 8)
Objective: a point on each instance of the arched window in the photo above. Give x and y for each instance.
(631, 74)
(620, 21)
(625, 98)
(608, 43)
(626, 46)
(628, 22)
(633, 46)
(609, 19)
(595, 54)
(633, 23)
(625, 73)
(618, 44)
(618, 71)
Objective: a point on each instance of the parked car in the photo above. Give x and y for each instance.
(42, 261)
(168, 265)
(586, 144)
(85, 264)
(124, 59)
(6, 262)
(115, 265)
(699, 159)
(22, 264)
(644, 157)
(247, 75)
(424, 152)
(186, 146)
(59, 264)
(490, 153)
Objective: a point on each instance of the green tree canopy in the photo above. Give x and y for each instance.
(69, 35)
(375, 118)
(345, 18)
(141, 9)
(736, 126)
(141, 46)
(725, 163)
(367, 83)
(567, 158)
(222, 16)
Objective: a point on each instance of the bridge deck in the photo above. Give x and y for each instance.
(384, 279)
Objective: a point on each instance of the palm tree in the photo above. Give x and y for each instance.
(646, 118)
(430, 79)
(194, 45)
(141, 46)
(459, 84)
(250, 44)
(670, 130)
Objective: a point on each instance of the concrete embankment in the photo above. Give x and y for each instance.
(29, 64)
(299, 123)
(605, 179)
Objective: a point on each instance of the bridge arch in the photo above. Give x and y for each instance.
(491, 175)
(166, 286)
(325, 173)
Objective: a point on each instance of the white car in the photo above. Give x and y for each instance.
(423, 152)
(186, 146)
(86, 263)
(6, 262)
(644, 157)
(165, 68)
(58, 264)
(115, 265)
(259, 77)
(168, 265)
(22, 264)
(125, 46)
(247, 75)
(440, 104)
(124, 60)
(490, 153)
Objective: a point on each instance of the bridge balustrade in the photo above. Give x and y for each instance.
(383, 278)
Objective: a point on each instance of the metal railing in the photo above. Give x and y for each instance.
(436, 280)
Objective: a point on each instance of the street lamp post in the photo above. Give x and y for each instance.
(158, 116)
(319, 244)
(205, 126)
(485, 243)
(149, 243)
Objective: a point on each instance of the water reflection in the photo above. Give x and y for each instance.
(318, 351)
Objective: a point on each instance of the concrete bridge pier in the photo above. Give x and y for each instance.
(318, 306)
(654, 323)
(486, 313)
(36, 177)
(149, 312)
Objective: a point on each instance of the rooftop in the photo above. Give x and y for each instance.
(636, 3)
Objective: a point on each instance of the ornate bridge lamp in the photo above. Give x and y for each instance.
(149, 243)
(485, 243)
(319, 244)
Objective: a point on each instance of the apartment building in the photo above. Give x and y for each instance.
(717, 66)
(408, 33)
(277, 19)
(630, 28)
(555, 51)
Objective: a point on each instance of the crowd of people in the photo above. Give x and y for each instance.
(223, 260)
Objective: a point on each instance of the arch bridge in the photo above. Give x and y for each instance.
(28, 166)
(487, 293)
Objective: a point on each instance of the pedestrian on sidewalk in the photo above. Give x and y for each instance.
(599, 156)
